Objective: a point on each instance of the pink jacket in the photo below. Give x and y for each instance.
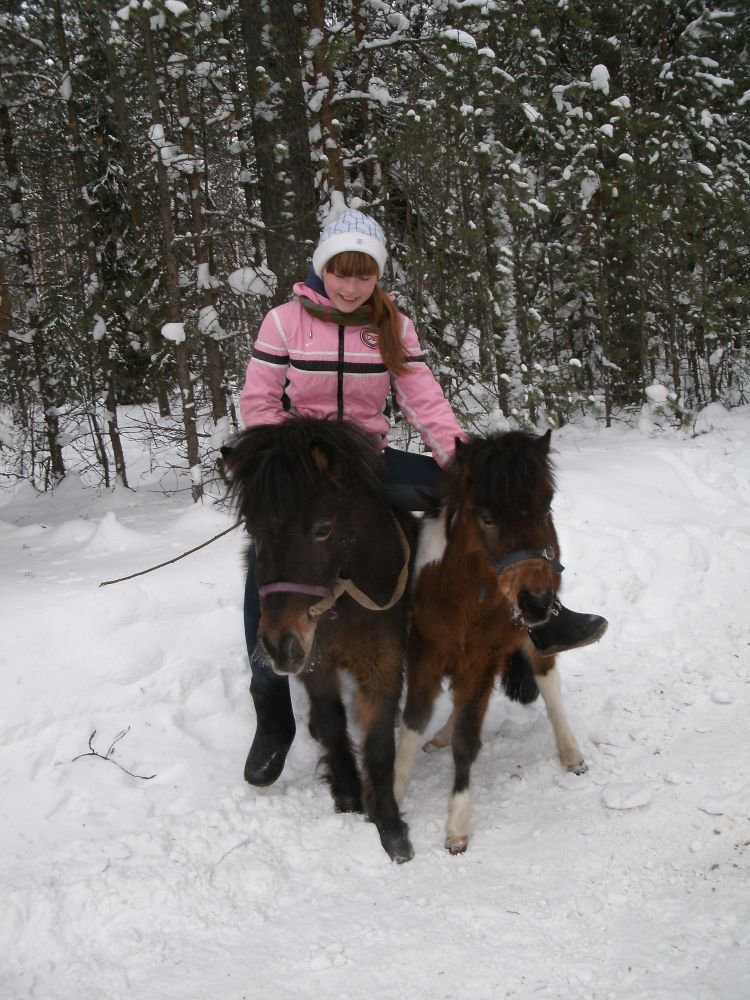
(331, 374)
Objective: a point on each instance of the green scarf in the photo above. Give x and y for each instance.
(360, 317)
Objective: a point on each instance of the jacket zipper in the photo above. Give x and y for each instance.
(340, 386)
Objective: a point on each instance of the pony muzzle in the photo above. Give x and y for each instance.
(287, 650)
(530, 587)
(535, 608)
(286, 635)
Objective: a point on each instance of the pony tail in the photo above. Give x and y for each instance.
(387, 318)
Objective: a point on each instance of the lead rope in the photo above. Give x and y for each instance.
(168, 562)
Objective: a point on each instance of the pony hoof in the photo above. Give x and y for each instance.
(580, 768)
(433, 746)
(398, 848)
(348, 804)
(456, 845)
(403, 855)
(395, 841)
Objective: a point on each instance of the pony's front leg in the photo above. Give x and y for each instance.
(470, 701)
(377, 714)
(424, 682)
(328, 718)
(549, 688)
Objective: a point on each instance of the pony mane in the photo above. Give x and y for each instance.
(278, 467)
(505, 470)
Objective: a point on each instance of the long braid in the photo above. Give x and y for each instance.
(387, 319)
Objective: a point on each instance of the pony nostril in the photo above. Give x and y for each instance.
(287, 657)
(535, 608)
(266, 649)
(292, 652)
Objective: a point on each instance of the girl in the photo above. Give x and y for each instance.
(337, 350)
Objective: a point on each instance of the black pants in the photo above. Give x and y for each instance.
(411, 482)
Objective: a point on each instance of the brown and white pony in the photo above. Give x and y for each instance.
(487, 568)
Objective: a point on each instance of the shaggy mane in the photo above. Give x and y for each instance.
(276, 467)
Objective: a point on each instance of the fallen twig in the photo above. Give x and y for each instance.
(108, 755)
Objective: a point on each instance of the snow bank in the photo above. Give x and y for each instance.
(136, 863)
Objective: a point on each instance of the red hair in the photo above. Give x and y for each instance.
(386, 317)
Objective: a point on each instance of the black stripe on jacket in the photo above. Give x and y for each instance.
(270, 359)
(349, 367)
(332, 367)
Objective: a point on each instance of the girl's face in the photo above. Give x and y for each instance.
(347, 292)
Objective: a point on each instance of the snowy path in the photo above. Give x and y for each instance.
(628, 883)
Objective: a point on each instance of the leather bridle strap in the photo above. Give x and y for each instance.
(344, 586)
(526, 555)
(286, 587)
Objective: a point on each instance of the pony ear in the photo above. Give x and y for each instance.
(328, 463)
(543, 442)
(320, 458)
(229, 455)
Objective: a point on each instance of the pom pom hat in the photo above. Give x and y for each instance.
(351, 231)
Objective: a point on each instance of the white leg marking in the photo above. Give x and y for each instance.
(408, 741)
(567, 747)
(457, 827)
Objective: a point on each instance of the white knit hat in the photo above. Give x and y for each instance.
(351, 231)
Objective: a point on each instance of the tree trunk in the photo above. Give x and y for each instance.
(207, 294)
(368, 122)
(10, 349)
(35, 332)
(280, 133)
(135, 207)
(321, 83)
(93, 282)
(169, 262)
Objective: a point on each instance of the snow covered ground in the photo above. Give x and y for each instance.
(627, 883)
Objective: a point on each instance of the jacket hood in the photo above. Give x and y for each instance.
(312, 283)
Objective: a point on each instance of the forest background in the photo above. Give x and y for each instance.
(564, 186)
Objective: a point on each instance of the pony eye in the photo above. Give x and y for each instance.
(486, 518)
(322, 530)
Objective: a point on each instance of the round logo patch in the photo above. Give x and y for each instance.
(370, 337)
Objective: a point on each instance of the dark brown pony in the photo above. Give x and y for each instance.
(332, 571)
(487, 568)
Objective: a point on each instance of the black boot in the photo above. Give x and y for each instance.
(567, 629)
(274, 733)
